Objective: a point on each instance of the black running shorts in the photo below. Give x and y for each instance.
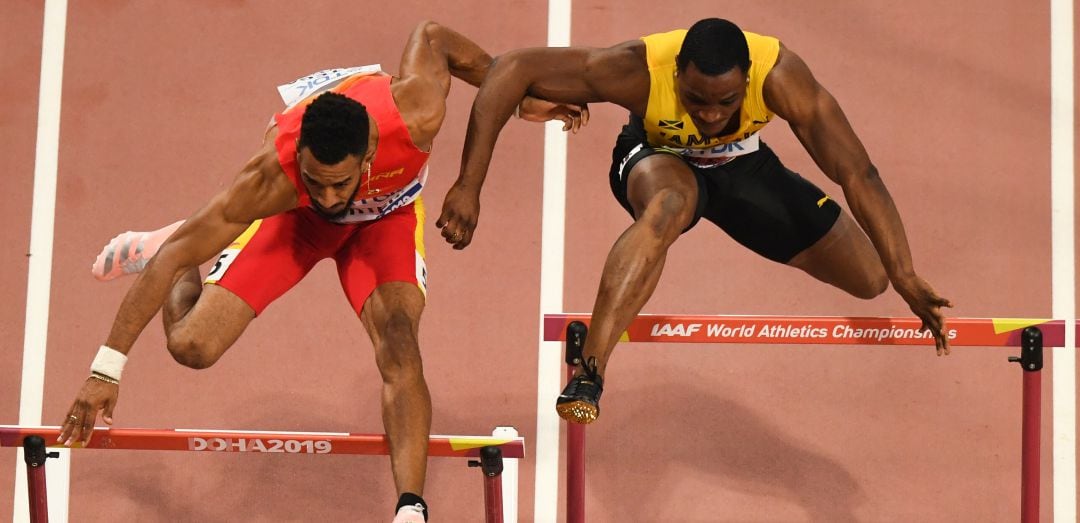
(753, 198)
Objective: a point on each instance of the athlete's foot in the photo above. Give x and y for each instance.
(129, 252)
(410, 514)
(580, 400)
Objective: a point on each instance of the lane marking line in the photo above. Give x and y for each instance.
(39, 274)
(552, 249)
(1063, 251)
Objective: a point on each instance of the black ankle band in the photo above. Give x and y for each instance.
(408, 499)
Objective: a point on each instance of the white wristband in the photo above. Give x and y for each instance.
(109, 362)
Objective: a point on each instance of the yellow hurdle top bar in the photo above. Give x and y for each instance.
(821, 330)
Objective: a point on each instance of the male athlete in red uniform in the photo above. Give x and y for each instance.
(338, 176)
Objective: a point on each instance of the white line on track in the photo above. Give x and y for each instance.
(1063, 250)
(552, 248)
(39, 276)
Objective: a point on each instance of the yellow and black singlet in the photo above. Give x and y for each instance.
(668, 124)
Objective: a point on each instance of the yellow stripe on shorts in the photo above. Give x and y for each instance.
(227, 256)
(418, 241)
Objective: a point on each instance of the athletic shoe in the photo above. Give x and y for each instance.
(410, 514)
(580, 400)
(128, 253)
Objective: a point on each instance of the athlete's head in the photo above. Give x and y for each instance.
(713, 66)
(332, 152)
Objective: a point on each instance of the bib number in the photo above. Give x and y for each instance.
(299, 89)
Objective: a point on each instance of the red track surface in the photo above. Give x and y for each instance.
(163, 102)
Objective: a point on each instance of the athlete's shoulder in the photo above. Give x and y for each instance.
(788, 67)
(421, 102)
(619, 74)
(262, 188)
(631, 53)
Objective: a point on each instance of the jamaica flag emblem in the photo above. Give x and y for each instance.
(671, 125)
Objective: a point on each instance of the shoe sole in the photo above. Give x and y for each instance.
(577, 412)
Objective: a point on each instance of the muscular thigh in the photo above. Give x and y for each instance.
(766, 207)
(640, 172)
(657, 173)
(216, 320)
(391, 308)
(383, 251)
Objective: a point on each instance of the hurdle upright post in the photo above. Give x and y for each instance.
(575, 432)
(1031, 360)
(491, 464)
(34, 455)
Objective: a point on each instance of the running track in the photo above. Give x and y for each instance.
(162, 103)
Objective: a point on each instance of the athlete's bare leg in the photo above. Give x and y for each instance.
(202, 322)
(845, 258)
(663, 192)
(391, 316)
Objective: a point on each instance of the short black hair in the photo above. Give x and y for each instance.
(334, 126)
(714, 46)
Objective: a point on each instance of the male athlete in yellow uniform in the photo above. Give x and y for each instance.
(691, 150)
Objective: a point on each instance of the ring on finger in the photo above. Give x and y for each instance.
(73, 417)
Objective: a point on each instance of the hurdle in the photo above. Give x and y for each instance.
(488, 451)
(1030, 334)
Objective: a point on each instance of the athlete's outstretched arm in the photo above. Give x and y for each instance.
(574, 75)
(254, 194)
(817, 120)
(435, 53)
(260, 190)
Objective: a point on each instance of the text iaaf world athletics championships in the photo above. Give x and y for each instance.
(789, 331)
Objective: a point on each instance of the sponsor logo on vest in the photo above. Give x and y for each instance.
(385, 175)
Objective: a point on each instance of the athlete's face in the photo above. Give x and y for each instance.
(331, 187)
(711, 100)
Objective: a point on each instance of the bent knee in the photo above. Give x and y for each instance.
(399, 363)
(875, 286)
(192, 354)
(398, 352)
(669, 213)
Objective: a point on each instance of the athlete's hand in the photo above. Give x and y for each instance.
(460, 210)
(94, 396)
(926, 304)
(572, 116)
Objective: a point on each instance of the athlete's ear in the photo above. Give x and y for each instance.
(369, 159)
